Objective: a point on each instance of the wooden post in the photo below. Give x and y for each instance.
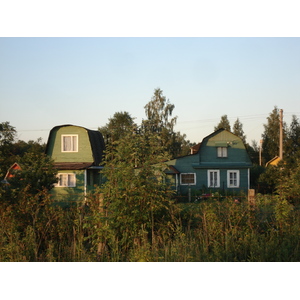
(101, 204)
(101, 245)
(251, 196)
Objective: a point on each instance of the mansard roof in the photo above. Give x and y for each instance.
(95, 138)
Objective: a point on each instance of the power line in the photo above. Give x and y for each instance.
(210, 120)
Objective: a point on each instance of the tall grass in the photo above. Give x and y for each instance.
(209, 231)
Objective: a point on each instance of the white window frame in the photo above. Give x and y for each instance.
(66, 180)
(209, 172)
(233, 182)
(181, 181)
(74, 145)
(222, 151)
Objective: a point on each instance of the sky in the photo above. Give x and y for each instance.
(45, 82)
(210, 58)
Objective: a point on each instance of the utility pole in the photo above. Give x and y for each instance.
(260, 149)
(281, 134)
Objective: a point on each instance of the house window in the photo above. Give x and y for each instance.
(222, 151)
(213, 178)
(233, 178)
(69, 143)
(188, 178)
(66, 180)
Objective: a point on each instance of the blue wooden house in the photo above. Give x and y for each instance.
(220, 162)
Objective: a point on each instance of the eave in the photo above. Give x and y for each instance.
(231, 165)
(72, 165)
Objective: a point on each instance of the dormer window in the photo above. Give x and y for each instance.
(222, 151)
(69, 143)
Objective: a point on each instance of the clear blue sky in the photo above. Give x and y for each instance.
(46, 82)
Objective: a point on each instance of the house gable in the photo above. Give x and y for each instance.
(223, 149)
(85, 145)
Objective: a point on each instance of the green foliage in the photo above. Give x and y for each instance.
(224, 123)
(116, 127)
(212, 230)
(37, 173)
(11, 151)
(269, 179)
(255, 173)
(159, 121)
(270, 136)
(288, 185)
(253, 152)
(238, 130)
(136, 198)
(292, 144)
(7, 133)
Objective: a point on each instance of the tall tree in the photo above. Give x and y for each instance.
(224, 123)
(7, 133)
(238, 130)
(292, 146)
(158, 112)
(117, 126)
(270, 136)
(7, 137)
(136, 199)
(159, 120)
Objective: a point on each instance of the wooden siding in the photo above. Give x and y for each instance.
(236, 151)
(207, 159)
(70, 193)
(84, 153)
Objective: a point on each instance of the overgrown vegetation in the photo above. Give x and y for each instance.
(211, 230)
(134, 215)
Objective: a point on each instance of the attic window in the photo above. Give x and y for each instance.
(222, 151)
(69, 143)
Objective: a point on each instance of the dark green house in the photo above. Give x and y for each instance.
(220, 162)
(77, 153)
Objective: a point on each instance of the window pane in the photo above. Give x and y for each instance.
(188, 178)
(71, 180)
(74, 140)
(213, 178)
(70, 143)
(211, 181)
(222, 152)
(60, 180)
(67, 143)
(66, 180)
(233, 179)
